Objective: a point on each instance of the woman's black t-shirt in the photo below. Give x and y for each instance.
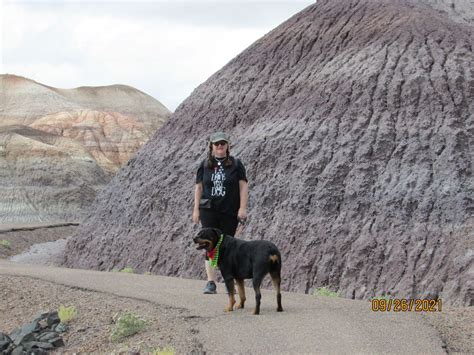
(220, 184)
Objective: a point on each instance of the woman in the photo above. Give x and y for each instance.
(220, 194)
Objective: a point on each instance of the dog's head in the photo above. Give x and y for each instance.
(207, 238)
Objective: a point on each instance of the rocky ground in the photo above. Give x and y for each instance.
(91, 329)
(166, 327)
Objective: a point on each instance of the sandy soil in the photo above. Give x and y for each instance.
(167, 327)
(456, 328)
(22, 238)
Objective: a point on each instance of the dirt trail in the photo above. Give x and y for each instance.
(308, 325)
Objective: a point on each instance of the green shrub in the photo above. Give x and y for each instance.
(127, 270)
(323, 291)
(5, 243)
(126, 325)
(66, 313)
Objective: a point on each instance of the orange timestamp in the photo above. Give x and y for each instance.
(406, 305)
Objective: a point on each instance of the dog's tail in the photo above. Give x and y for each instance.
(275, 262)
(274, 258)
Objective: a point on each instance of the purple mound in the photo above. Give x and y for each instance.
(355, 122)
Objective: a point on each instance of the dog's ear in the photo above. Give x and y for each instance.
(206, 233)
(217, 234)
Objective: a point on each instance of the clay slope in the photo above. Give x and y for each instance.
(355, 121)
(45, 177)
(103, 126)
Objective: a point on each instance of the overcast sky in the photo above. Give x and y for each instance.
(164, 48)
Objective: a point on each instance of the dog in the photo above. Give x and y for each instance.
(238, 259)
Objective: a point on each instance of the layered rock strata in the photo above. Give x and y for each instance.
(45, 177)
(355, 121)
(59, 147)
(109, 137)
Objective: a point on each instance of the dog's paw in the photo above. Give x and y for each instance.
(239, 306)
(228, 309)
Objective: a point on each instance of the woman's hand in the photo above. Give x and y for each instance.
(242, 214)
(196, 216)
(244, 197)
(197, 198)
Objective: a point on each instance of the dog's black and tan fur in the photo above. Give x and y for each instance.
(239, 260)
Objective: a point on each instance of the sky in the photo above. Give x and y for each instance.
(163, 48)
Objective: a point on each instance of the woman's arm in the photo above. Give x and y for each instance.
(244, 197)
(197, 198)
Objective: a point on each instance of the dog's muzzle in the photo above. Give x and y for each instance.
(202, 243)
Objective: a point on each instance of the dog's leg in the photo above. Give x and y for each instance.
(257, 281)
(241, 289)
(229, 283)
(276, 280)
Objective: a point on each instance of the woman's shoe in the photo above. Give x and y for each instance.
(210, 288)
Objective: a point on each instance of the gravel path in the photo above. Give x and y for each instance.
(308, 325)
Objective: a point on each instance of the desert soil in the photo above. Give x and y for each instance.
(166, 326)
(21, 238)
(90, 330)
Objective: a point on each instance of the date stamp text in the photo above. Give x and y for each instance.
(406, 305)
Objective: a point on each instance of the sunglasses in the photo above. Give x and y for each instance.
(220, 143)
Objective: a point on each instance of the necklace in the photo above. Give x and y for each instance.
(219, 161)
(214, 253)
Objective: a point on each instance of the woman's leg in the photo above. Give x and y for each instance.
(228, 224)
(209, 220)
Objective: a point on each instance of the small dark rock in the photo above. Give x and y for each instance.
(53, 319)
(15, 334)
(9, 349)
(18, 350)
(57, 342)
(41, 316)
(5, 341)
(35, 337)
(61, 328)
(42, 320)
(24, 339)
(24, 333)
(46, 336)
(34, 345)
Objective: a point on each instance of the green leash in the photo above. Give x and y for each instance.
(215, 257)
